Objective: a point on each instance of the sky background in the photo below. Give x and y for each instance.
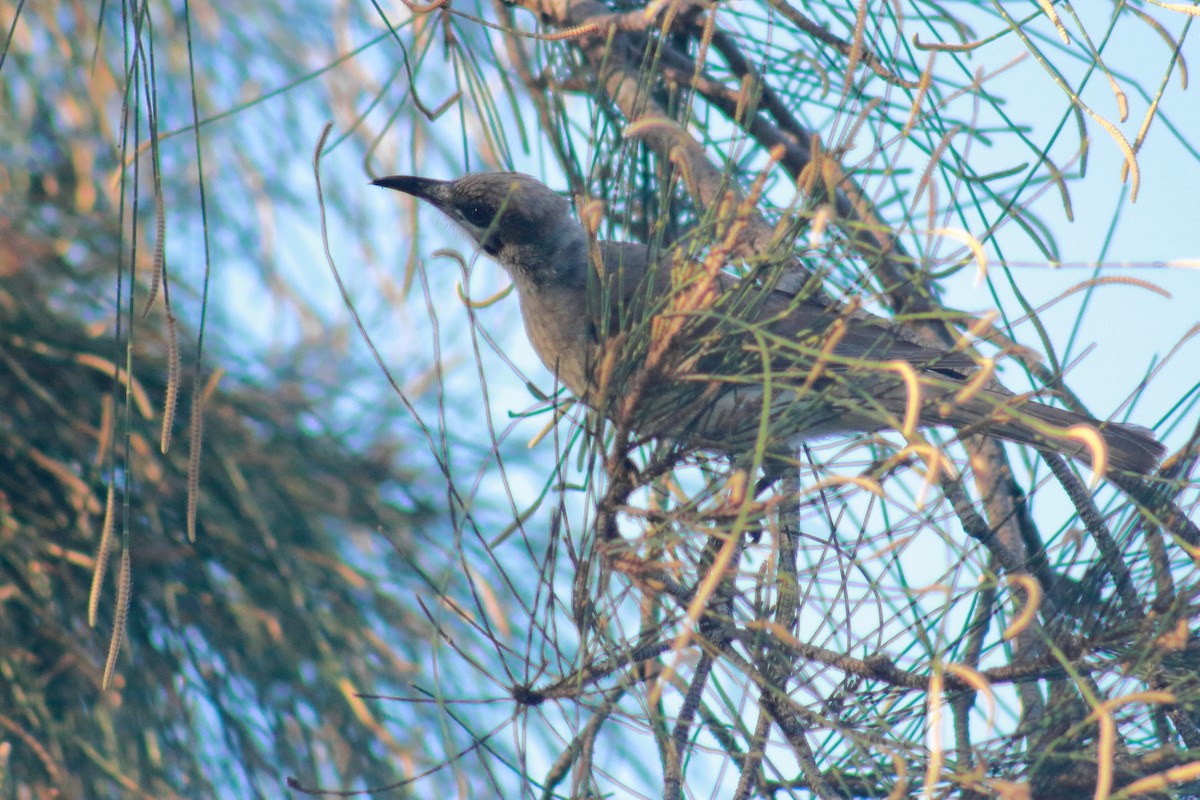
(896, 576)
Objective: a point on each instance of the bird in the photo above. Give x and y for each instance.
(729, 364)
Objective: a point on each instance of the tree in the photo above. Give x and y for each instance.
(618, 616)
(245, 648)
(824, 658)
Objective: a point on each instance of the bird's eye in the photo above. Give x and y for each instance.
(478, 215)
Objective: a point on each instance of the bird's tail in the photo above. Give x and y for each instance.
(1132, 448)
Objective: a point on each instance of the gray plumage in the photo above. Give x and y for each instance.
(737, 343)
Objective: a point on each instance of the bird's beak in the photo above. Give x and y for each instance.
(424, 188)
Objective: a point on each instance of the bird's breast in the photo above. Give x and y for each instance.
(557, 323)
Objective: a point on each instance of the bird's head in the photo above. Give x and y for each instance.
(514, 218)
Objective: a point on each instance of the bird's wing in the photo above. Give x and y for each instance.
(860, 333)
(783, 314)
